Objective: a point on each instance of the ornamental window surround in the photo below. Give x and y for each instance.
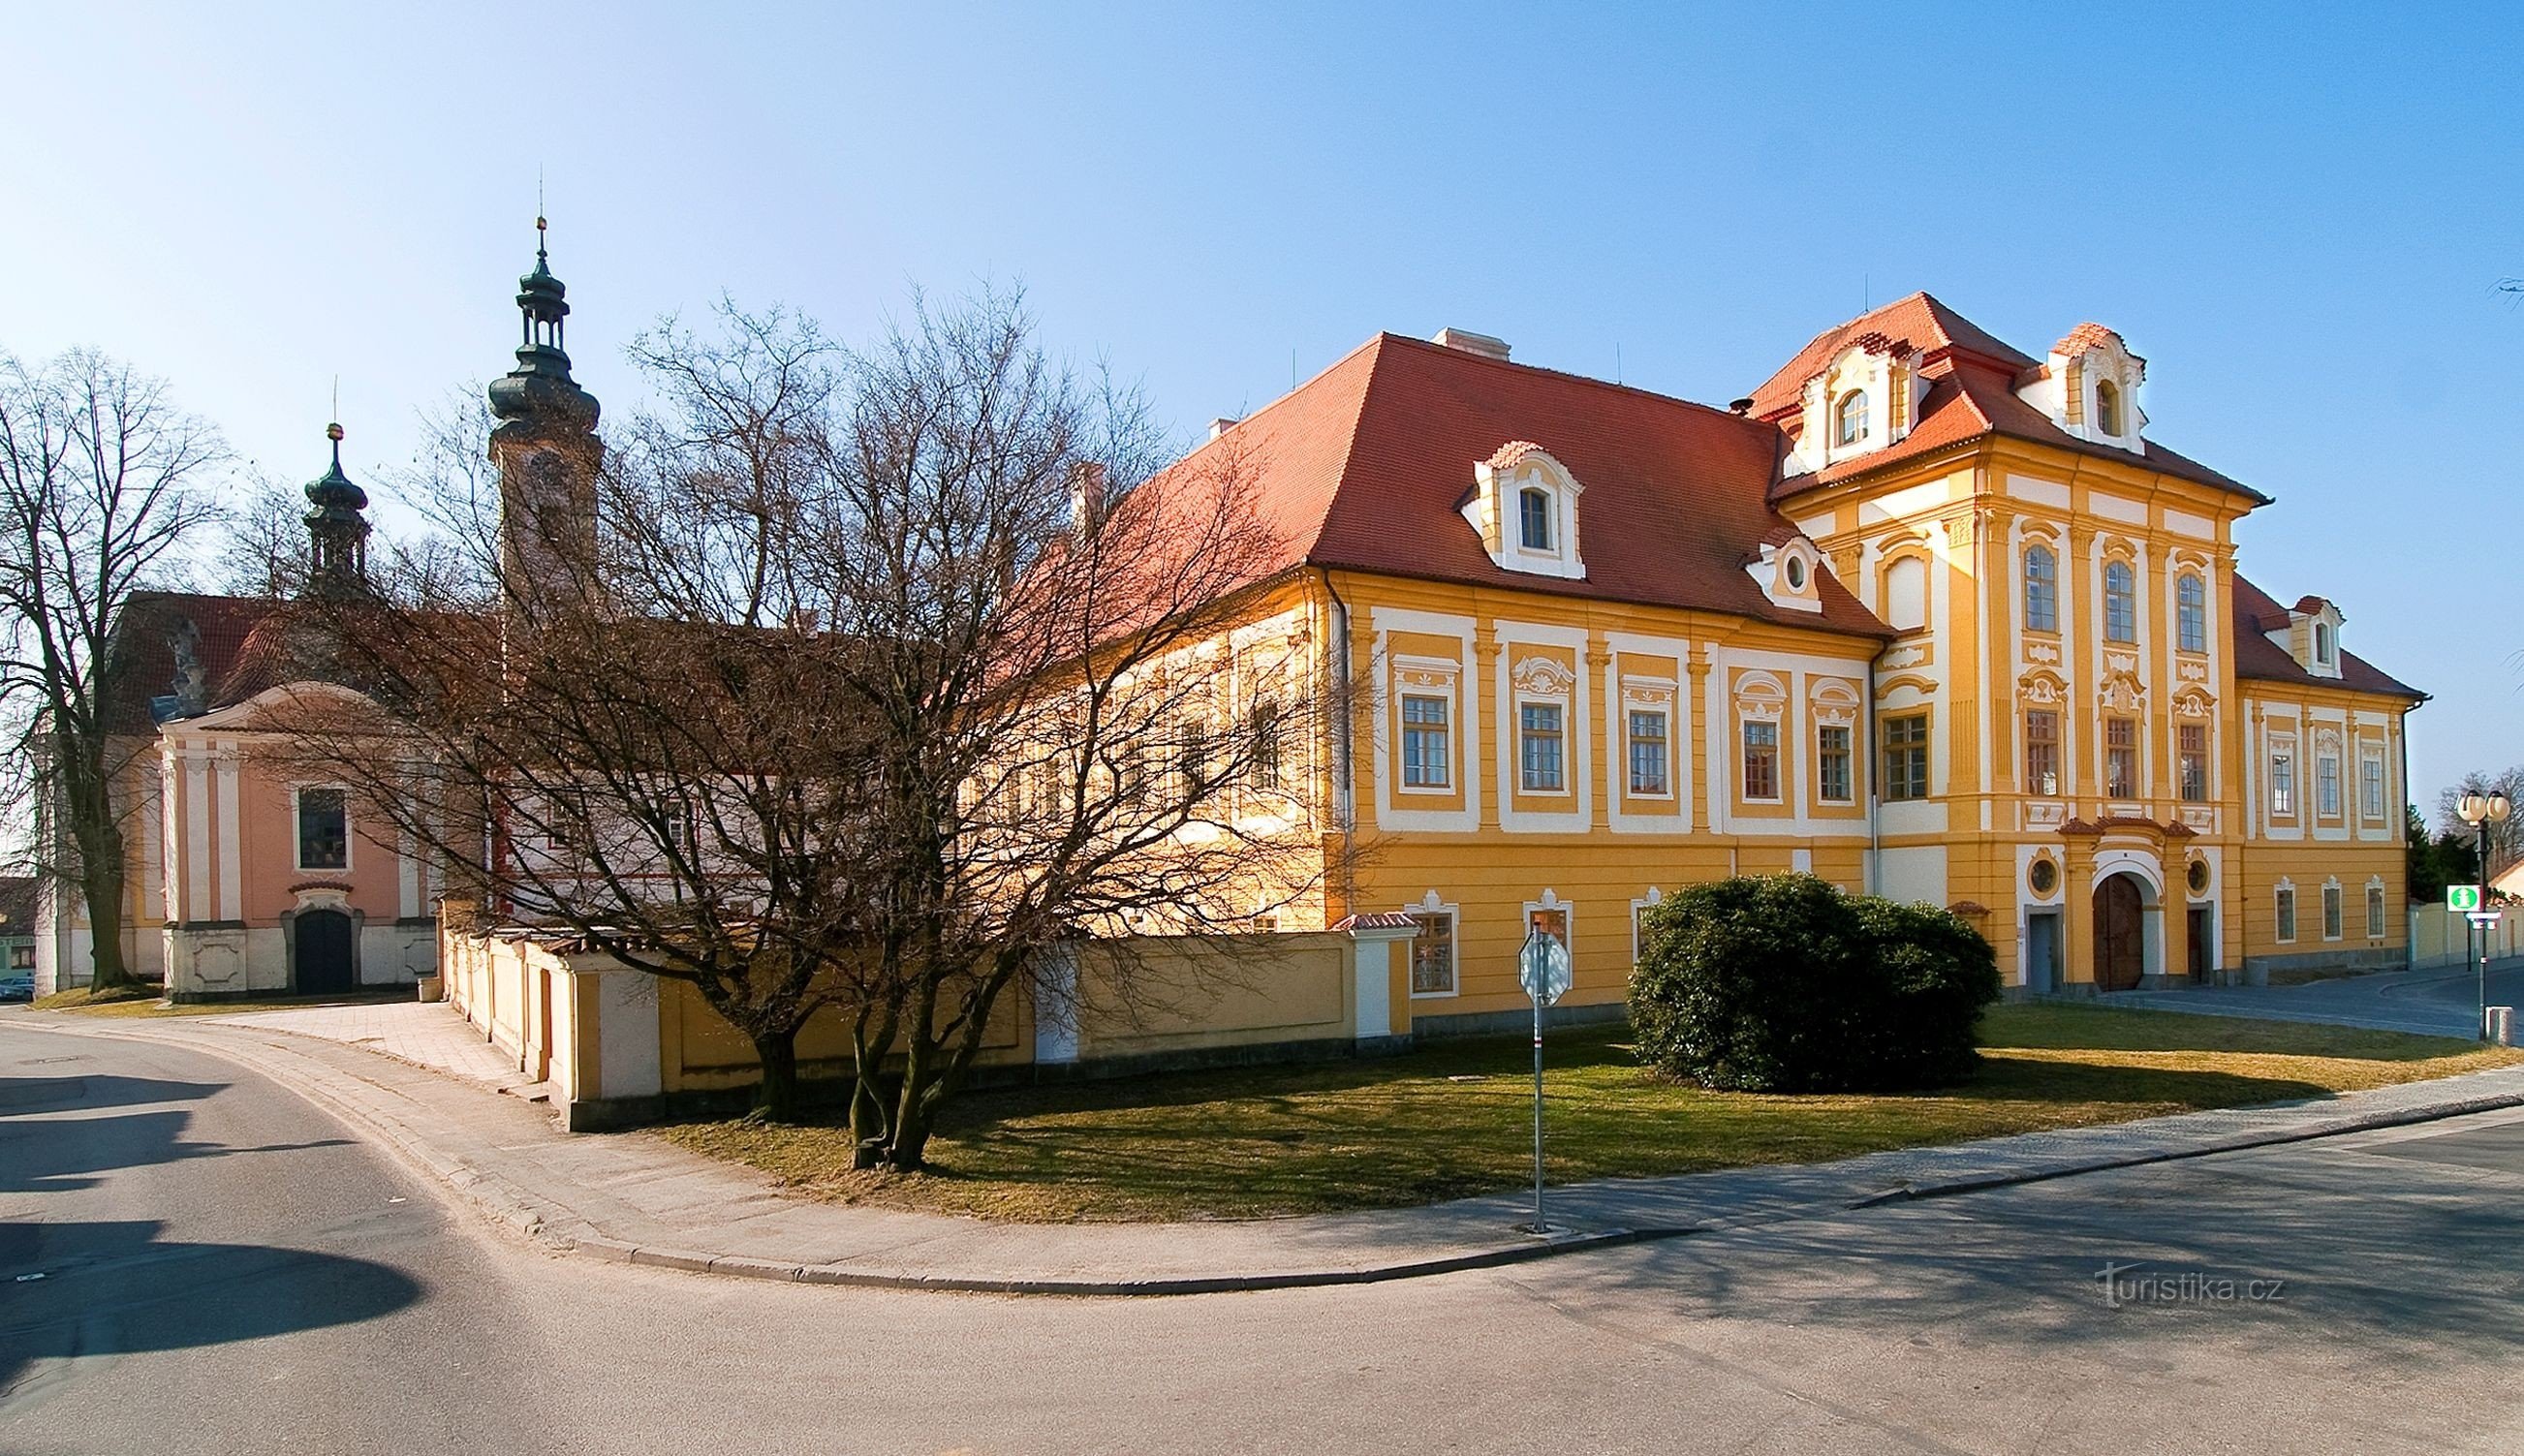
(1534, 518)
(2283, 779)
(2120, 757)
(2374, 909)
(1433, 948)
(1540, 740)
(1762, 762)
(2283, 907)
(2192, 748)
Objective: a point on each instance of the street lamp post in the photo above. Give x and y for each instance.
(2480, 810)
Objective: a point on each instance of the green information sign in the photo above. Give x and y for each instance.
(2462, 897)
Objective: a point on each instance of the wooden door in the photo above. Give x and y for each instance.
(2119, 921)
(2200, 968)
(323, 953)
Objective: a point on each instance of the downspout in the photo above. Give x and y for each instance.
(1874, 878)
(2401, 828)
(1343, 810)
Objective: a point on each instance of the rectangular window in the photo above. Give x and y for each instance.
(1905, 756)
(1831, 763)
(2326, 785)
(324, 830)
(1762, 761)
(1432, 953)
(2042, 753)
(1426, 761)
(21, 958)
(1648, 756)
(2374, 912)
(2192, 739)
(2371, 787)
(1263, 770)
(2286, 913)
(2120, 757)
(2331, 930)
(1538, 730)
(2283, 786)
(1553, 923)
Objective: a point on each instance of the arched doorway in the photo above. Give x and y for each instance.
(2121, 932)
(323, 960)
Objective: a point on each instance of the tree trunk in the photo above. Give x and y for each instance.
(101, 886)
(775, 1099)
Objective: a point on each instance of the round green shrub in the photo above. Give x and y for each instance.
(1782, 983)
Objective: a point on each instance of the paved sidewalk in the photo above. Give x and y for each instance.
(431, 1035)
(633, 1197)
(2439, 1001)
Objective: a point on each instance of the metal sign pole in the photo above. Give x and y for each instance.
(1538, 1225)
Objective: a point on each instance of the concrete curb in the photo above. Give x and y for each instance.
(564, 1232)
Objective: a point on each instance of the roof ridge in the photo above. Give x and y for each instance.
(1615, 385)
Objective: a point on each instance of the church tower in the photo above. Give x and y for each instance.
(337, 564)
(545, 451)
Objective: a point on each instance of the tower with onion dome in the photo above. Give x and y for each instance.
(546, 453)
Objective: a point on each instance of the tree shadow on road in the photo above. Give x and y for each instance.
(22, 1095)
(113, 1289)
(38, 1157)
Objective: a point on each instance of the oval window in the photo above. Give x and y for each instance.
(1796, 573)
(2044, 877)
(2198, 877)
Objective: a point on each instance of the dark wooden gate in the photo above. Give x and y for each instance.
(2120, 920)
(323, 954)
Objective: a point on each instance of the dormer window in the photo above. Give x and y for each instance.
(1534, 518)
(2089, 387)
(2310, 634)
(2326, 646)
(2108, 407)
(1849, 419)
(1796, 569)
(1523, 504)
(1788, 570)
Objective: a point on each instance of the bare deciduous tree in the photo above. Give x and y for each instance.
(99, 494)
(2505, 839)
(873, 690)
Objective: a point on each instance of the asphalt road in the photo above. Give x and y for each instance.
(2441, 1002)
(192, 1259)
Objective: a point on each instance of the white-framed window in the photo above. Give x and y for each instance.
(1905, 756)
(2041, 590)
(2331, 912)
(2325, 646)
(1427, 753)
(1638, 916)
(2108, 406)
(1650, 755)
(1832, 764)
(323, 818)
(2191, 613)
(1534, 518)
(2190, 746)
(1541, 742)
(2371, 785)
(2120, 757)
(1762, 762)
(2120, 603)
(1433, 948)
(2375, 909)
(1849, 419)
(2283, 908)
(1555, 917)
(2283, 780)
(1265, 768)
(2326, 785)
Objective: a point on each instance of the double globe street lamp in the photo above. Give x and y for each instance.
(2480, 810)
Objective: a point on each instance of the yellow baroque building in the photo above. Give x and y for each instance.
(1923, 615)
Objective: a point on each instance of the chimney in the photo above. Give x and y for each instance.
(1086, 498)
(1472, 343)
(1222, 425)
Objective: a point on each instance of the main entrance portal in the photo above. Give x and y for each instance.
(2120, 927)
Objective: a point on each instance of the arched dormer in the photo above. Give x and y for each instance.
(1865, 399)
(2089, 387)
(1789, 567)
(1525, 506)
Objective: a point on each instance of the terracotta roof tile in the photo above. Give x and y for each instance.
(142, 659)
(2259, 659)
(1365, 466)
(1919, 321)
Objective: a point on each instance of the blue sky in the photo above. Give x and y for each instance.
(2299, 218)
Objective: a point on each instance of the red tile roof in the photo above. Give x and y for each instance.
(1917, 321)
(1978, 398)
(142, 663)
(2261, 660)
(1364, 468)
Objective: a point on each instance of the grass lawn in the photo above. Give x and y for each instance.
(149, 1000)
(1455, 1119)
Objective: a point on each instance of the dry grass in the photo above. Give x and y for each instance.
(1455, 1119)
(149, 1000)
